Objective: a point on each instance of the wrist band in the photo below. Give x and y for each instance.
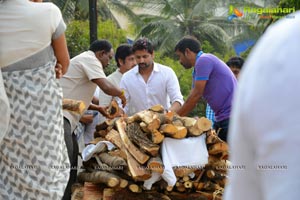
(123, 93)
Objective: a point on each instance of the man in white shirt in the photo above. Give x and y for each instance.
(264, 133)
(125, 61)
(85, 73)
(149, 83)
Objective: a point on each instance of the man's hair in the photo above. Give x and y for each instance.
(100, 45)
(235, 61)
(188, 42)
(142, 44)
(123, 51)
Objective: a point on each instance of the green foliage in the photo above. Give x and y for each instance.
(78, 41)
(77, 35)
(289, 4)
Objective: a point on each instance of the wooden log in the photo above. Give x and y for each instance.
(198, 186)
(185, 178)
(107, 178)
(113, 161)
(217, 148)
(169, 188)
(102, 166)
(108, 193)
(135, 188)
(188, 184)
(157, 108)
(143, 126)
(180, 133)
(140, 139)
(168, 129)
(137, 171)
(182, 171)
(114, 137)
(123, 183)
(177, 121)
(180, 187)
(118, 152)
(157, 137)
(177, 132)
(72, 105)
(210, 186)
(188, 121)
(204, 124)
(101, 133)
(113, 109)
(92, 191)
(155, 164)
(212, 138)
(210, 174)
(107, 124)
(207, 195)
(192, 126)
(131, 148)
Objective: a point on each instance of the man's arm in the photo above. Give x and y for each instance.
(175, 106)
(193, 98)
(98, 108)
(108, 88)
(62, 55)
(173, 89)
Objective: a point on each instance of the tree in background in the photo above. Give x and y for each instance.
(77, 35)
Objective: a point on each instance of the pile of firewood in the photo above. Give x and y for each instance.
(138, 139)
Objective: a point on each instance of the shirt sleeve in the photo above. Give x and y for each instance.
(92, 68)
(58, 25)
(123, 87)
(203, 68)
(173, 88)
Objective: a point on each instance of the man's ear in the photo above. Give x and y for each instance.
(99, 54)
(122, 62)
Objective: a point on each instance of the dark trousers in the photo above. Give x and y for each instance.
(221, 128)
(72, 147)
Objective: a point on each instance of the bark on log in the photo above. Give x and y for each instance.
(119, 153)
(134, 151)
(114, 137)
(113, 161)
(139, 138)
(180, 187)
(109, 179)
(217, 148)
(75, 106)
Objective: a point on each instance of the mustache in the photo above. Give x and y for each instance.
(143, 64)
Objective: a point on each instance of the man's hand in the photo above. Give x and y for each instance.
(58, 70)
(103, 111)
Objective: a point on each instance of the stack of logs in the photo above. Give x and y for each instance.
(137, 155)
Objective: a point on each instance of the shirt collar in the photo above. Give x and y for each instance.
(199, 54)
(155, 68)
